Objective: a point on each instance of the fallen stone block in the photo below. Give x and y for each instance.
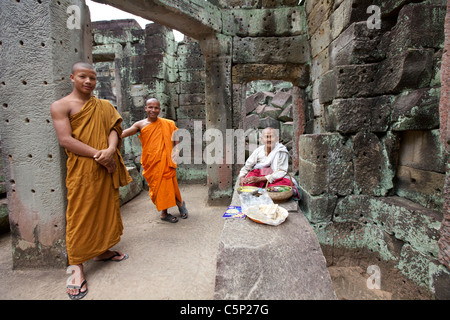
(258, 262)
(253, 101)
(286, 114)
(272, 112)
(281, 99)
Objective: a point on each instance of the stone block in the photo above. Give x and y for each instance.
(417, 146)
(192, 87)
(320, 64)
(346, 13)
(260, 109)
(271, 50)
(281, 99)
(131, 190)
(253, 101)
(252, 121)
(347, 81)
(192, 173)
(191, 112)
(286, 114)
(420, 186)
(325, 164)
(417, 266)
(192, 99)
(357, 114)
(313, 177)
(272, 112)
(373, 170)
(407, 33)
(319, 13)
(354, 208)
(356, 45)
(321, 39)
(410, 69)
(298, 74)
(317, 209)
(190, 62)
(416, 110)
(259, 262)
(286, 131)
(269, 122)
(409, 222)
(260, 22)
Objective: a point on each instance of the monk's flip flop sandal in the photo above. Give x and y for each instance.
(183, 211)
(170, 218)
(80, 294)
(116, 254)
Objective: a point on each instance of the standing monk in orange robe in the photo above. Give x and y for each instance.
(90, 130)
(156, 136)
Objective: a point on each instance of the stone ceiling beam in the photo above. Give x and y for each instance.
(195, 18)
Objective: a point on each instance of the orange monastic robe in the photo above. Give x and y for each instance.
(93, 216)
(156, 159)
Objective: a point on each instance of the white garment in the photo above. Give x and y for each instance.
(277, 160)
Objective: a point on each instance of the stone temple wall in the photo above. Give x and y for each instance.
(373, 172)
(370, 119)
(135, 64)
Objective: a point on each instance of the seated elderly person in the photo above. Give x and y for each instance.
(268, 162)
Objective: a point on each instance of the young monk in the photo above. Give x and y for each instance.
(90, 131)
(156, 136)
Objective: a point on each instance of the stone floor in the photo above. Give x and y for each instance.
(167, 261)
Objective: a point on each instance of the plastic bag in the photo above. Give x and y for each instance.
(260, 208)
(248, 199)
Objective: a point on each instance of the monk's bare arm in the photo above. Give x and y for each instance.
(60, 117)
(131, 130)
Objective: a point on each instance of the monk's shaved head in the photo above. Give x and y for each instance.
(152, 100)
(81, 65)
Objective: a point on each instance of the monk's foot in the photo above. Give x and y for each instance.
(111, 256)
(76, 284)
(168, 217)
(182, 209)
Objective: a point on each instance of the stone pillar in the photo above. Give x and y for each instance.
(40, 41)
(218, 107)
(444, 241)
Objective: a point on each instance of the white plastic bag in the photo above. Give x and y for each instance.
(260, 208)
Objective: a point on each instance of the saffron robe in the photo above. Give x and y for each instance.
(158, 167)
(94, 224)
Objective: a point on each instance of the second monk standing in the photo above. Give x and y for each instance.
(159, 168)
